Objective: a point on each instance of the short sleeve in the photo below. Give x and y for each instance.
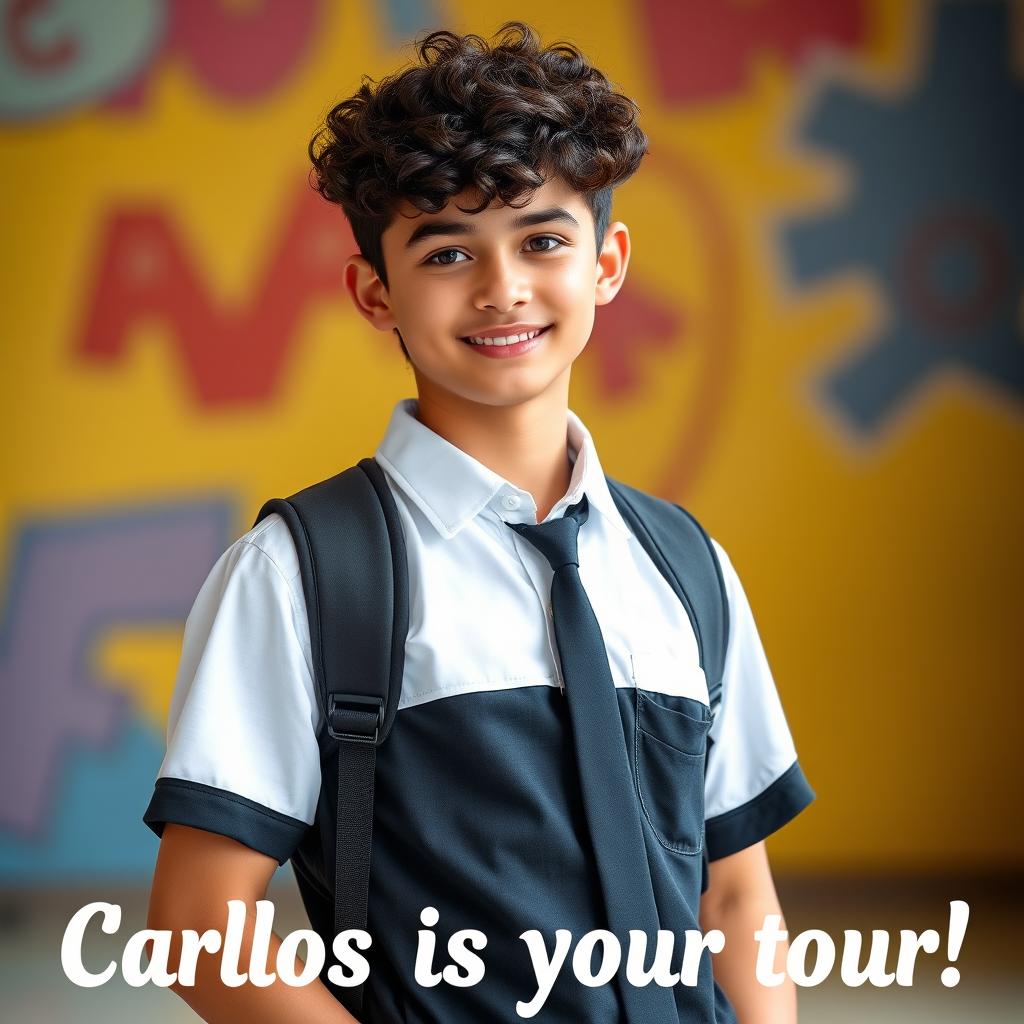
(754, 782)
(242, 755)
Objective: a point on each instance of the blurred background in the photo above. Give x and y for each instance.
(818, 351)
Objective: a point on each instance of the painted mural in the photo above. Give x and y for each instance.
(819, 350)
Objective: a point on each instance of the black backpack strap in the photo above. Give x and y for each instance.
(683, 553)
(351, 550)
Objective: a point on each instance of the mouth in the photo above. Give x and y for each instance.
(505, 347)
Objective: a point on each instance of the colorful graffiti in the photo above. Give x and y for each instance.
(703, 49)
(228, 356)
(60, 55)
(936, 213)
(71, 581)
(185, 330)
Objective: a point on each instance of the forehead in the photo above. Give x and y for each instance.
(554, 193)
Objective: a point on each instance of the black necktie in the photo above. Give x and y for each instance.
(610, 802)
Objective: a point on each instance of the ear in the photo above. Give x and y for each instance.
(368, 293)
(611, 263)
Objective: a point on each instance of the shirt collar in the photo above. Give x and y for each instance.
(451, 488)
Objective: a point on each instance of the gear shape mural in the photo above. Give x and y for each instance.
(936, 212)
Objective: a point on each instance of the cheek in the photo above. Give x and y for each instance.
(428, 311)
(571, 289)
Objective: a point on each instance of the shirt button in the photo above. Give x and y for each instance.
(511, 501)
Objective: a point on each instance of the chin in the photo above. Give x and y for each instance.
(510, 395)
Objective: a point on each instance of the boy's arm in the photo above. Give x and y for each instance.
(740, 893)
(197, 872)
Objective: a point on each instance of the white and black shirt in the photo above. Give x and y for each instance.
(477, 808)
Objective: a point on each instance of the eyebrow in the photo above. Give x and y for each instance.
(446, 228)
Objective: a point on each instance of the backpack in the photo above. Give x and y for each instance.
(352, 557)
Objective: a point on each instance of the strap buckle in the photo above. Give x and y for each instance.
(347, 717)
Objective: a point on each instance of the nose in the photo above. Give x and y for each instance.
(501, 285)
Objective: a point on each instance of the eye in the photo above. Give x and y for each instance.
(441, 259)
(556, 243)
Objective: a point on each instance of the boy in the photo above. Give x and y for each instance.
(478, 184)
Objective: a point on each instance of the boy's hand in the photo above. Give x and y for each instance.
(196, 874)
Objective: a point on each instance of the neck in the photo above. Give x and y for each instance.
(526, 443)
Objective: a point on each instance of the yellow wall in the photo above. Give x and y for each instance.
(883, 563)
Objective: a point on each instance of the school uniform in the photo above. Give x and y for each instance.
(477, 807)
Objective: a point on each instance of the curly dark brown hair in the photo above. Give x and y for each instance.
(498, 117)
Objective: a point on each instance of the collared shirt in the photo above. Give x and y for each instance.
(477, 810)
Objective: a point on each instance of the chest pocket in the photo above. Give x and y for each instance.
(670, 747)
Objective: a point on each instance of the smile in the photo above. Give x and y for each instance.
(507, 346)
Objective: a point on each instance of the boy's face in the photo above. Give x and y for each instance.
(505, 271)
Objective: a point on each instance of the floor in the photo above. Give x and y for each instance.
(991, 989)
